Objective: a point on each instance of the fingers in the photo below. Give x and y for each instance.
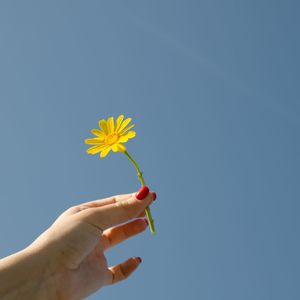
(118, 234)
(143, 213)
(104, 217)
(102, 202)
(123, 270)
(98, 203)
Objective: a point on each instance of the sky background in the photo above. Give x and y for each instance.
(213, 88)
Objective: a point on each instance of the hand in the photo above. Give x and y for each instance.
(71, 251)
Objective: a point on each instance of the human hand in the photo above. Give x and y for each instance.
(75, 244)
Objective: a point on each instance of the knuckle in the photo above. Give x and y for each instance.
(126, 233)
(127, 208)
(83, 207)
(72, 209)
(123, 273)
(114, 199)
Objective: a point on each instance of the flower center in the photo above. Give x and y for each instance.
(112, 138)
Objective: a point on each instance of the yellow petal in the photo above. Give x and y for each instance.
(119, 121)
(129, 135)
(114, 147)
(123, 139)
(121, 147)
(124, 124)
(110, 125)
(94, 149)
(126, 129)
(94, 141)
(103, 126)
(98, 132)
(104, 152)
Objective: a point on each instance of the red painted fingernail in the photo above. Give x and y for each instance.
(154, 196)
(142, 193)
(146, 221)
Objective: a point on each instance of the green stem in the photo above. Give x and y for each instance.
(141, 179)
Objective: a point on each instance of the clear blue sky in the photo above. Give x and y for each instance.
(213, 88)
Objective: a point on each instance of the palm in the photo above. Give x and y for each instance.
(86, 269)
(91, 274)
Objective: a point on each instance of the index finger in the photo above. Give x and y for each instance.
(104, 217)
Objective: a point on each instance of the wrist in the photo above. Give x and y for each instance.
(25, 275)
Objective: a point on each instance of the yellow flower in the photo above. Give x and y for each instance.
(110, 136)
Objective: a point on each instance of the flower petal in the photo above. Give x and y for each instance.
(103, 126)
(124, 124)
(94, 149)
(118, 122)
(105, 151)
(129, 135)
(114, 147)
(121, 147)
(98, 132)
(126, 129)
(123, 139)
(110, 125)
(94, 141)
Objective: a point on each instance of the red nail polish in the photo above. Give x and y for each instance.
(154, 196)
(142, 193)
(146, 221)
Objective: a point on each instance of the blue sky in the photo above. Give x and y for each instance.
(213, 88)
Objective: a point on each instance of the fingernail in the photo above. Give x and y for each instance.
(139, 259)
(142, 193)
(154, 196)
(146, 221)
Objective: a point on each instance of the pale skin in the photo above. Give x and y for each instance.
(67, 262)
